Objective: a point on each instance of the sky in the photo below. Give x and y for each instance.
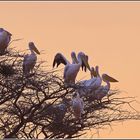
(109, 32)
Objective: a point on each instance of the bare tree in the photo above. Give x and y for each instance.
(38, 106)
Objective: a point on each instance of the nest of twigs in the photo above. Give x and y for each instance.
(6, 70)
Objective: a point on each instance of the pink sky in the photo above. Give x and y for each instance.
(109, 32)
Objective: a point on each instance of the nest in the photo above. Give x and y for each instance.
(6, 70)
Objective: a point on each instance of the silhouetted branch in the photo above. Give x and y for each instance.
(30, 106)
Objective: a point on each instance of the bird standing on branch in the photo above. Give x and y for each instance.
(77, 105)
(30, 59)
(71, 69)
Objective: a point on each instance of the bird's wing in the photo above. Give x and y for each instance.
(109, 78)
(29, 62)
(83, 64)
(3, 36)
(58, 59)
(93, 72)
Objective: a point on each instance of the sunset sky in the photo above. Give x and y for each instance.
(109, 32)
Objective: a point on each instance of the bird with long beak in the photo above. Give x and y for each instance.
(71, 69)
(77, 106)
(91, 84)
(5, 38)
(30, 59)
(102, 91)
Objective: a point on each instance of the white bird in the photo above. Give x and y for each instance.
(61, 109)
(30, 59)
(102, 91)
(71, 69)
(93, 83)
(77, 105)
(5, 38)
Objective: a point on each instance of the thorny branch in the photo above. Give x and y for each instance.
(28, 105)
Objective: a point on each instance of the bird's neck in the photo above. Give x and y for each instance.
(108, 84)
(66, 60)
(73, 61)
(79, 60)
(97, 72)
(32, 52)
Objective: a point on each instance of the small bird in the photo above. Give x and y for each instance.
(77, 105)
(5, 38)
(30, 59)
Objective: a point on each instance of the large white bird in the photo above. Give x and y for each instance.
(5, 38)
(77, 105)
(30, 59)
(93, 83)
(102, 91)
(71, 69)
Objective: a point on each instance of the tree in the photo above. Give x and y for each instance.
(38, 105)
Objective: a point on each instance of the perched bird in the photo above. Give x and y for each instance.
(91, 84)
(5, 38)
(61, 109)
(83, 65)
(102, 91)
(71, 69)
(30, 59)
(93, 72)
(77, 105)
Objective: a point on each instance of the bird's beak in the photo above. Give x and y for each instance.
(86, 62)
(109, 78)
(36, 50)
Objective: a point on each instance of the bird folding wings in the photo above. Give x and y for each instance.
(84, 67)
(109, 78)
(58, 59)
(85, 64)
(93, 72)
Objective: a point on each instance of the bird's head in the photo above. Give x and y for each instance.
(33, 47)
(84, 58)
(73, 56)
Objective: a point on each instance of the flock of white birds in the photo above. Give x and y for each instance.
(92, 87)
